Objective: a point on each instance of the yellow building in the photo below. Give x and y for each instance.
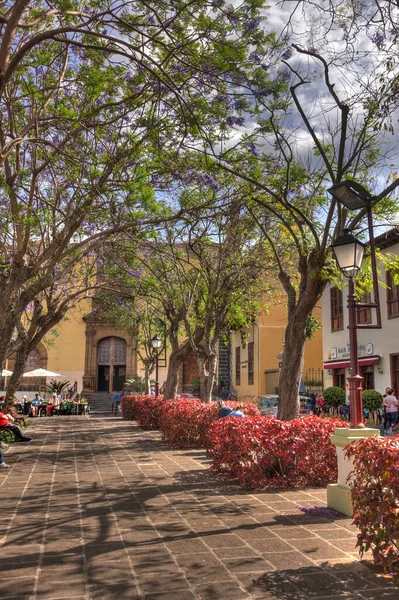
(92, 353)
(257, 354)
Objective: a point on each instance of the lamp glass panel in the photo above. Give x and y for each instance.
(156, 342)
(349, 257)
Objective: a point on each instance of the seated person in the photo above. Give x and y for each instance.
(224, 410)
(6, 423)
(36, 402)
(237, 412)
(52, 405)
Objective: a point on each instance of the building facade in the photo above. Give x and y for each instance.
(257, 352)
(378, 349)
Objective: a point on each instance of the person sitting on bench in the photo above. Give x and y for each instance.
(6, 424)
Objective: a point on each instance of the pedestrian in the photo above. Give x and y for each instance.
(117, 400)
(225, 394)
(320, 404)
(224, 410)
(391, 405)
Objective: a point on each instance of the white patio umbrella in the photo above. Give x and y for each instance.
(41, 373)
(6, 373)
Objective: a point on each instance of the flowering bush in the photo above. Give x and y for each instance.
(144, 409)
(185, 422)
(265, 452)
(375, 498)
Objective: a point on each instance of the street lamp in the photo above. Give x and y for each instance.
(156, 343)
(348, 253)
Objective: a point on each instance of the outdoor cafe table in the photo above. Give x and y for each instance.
(71, 408)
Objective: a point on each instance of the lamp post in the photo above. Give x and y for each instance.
(156, 343)
(349, 255)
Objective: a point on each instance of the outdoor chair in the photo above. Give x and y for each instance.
(42, 410)
(18, 418)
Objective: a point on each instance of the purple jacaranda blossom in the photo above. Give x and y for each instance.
(235, 121)
(209, 180)
(262, 93)
(255, 57)
(222, 97)
(252, 25)
(287, 54)
(240, 103)
(285, 74)
(319, 511)
(378, 39)
(253, 149)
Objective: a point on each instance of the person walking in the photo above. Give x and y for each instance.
(391, 406)
(225, 394)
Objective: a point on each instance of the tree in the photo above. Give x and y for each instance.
(140, 317)
(88, 91)
(207, 273)
(328, 124)
(47, 310)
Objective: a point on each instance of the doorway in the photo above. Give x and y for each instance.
(111, 364)
(103, 378)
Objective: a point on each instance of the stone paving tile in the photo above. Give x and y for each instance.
(102, 510)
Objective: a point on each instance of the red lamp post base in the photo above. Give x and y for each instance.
(355, 398)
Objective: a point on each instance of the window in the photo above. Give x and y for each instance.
(33, 361)
(392, 297)
(238, 365)
(364, 314)
(339, 379)
(337, 319)
(251, 363)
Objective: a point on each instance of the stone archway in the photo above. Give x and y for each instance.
(98, 329)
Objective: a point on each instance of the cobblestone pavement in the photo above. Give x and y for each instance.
(98, 509)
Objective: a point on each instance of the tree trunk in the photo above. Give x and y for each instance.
(19, 367)
(207, 372)
(148, 369)
(299, 312)
(172, 380)
(291, 368)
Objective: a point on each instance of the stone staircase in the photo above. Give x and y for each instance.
(100, 403)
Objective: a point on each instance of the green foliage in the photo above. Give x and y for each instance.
(135, 384)
(374, 494)
(195, 383)
(372, 399)
(334, 396)
(58, 387)
(312, 325)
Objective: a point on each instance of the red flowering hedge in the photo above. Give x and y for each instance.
(146, 410)
(375, 498)
(185, 422)
(262, 452)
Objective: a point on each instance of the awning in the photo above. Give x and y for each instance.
(364, 361)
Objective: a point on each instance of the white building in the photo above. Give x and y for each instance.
(378, 349)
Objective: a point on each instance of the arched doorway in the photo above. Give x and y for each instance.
(111, 364)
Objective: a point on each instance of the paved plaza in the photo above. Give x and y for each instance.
(96, 508)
